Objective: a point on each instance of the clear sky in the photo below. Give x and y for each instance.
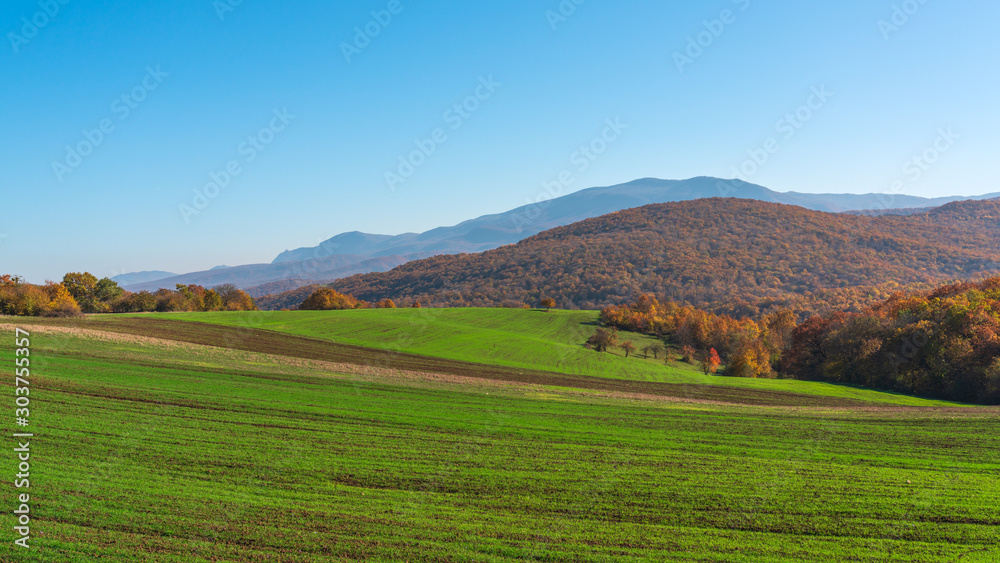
(114, 112)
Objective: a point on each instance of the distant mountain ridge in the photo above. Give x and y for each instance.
(141, 277)
(324, 268)
(721, 254)
(492, 231)
(356, 252)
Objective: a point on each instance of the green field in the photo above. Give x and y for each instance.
(530, 339)
(169, 450)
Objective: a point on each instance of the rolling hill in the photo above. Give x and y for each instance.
(710, 253)
(525, 339)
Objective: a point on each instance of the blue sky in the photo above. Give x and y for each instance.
(186, 90)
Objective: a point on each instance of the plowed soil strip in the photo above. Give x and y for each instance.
(280, 344)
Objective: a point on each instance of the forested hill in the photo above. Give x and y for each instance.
(709, 253)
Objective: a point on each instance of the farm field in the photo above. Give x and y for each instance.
(529, 339)
(163, 449)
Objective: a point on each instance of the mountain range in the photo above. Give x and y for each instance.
(732, 256)
(355, 252)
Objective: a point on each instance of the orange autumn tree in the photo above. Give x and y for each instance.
(235, 299)
(711, 362)
(62, 303)
(326, 299)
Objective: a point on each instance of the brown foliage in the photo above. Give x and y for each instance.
(943, 343)
(603, 339)
(735, 257)
(628, 346)
(326, 299)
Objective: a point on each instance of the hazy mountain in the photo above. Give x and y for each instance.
(141, 277)
(326, 268)
(276, 287)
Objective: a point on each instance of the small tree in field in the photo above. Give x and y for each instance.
(711, 362)
(603, 339)
(657, 350)
(628, 346)
(548, 303)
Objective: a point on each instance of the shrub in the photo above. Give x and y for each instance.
(687, 355)
(326, 299)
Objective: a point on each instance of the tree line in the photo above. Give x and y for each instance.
(750, 348)
(81, 292)
(943, 343)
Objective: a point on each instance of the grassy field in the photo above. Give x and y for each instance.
(165, 450)
(529, 339)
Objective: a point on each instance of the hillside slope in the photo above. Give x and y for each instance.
(531, 340)
(708, 253)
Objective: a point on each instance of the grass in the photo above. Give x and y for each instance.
(291, 346)
(171, 451)
(531, 339)
(528, 339)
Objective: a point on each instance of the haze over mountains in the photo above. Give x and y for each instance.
(355, 252)
(126, 280)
